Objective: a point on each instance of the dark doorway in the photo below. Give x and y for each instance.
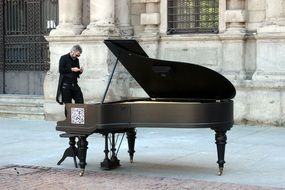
(24, 56)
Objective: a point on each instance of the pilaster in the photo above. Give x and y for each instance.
(255, 14)
(233, 40)
(151, 18)
(235, 16)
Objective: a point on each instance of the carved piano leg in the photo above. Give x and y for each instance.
(115, 161)
(106, 164)
(131, 135)
(71, 151)
(221, 141)
(82, 151)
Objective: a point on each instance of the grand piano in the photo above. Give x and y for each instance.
(181, 95)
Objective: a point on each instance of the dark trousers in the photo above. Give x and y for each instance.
(71, 91)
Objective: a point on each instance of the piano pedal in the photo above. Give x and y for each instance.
(116, 162)
(108, 164)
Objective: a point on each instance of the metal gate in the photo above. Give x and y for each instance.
(24, 56)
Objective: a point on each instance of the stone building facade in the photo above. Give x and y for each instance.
(248, 50)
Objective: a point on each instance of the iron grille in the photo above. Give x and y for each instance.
(1, 37)
(26, 22)
(193, 16)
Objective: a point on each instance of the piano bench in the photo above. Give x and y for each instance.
(72, 150)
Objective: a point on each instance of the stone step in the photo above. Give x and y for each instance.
(5, 98)
(21, 106)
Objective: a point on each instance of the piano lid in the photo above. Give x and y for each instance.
(170, 79)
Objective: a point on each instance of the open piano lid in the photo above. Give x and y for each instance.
(170, 79)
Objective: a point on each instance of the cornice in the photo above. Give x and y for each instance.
(82, 38)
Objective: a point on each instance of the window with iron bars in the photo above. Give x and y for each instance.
(192, 16)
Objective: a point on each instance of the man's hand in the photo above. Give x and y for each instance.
(75, 69)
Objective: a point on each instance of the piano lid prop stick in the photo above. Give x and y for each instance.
(110, 78)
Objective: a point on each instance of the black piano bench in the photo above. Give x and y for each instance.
(72, 150)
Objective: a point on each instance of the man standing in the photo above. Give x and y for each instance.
(70, 70)
(68, 89)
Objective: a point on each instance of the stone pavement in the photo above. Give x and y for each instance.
(43, 178)
(164, 159)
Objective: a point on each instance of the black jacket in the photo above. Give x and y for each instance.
(66, 75)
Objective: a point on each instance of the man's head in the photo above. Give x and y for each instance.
(75, 51)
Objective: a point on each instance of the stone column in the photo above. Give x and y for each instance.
(70, 16)
(122, 17)
(102, 18)
(235, 16)
(151, 19)
(233, 40)
(256, 14)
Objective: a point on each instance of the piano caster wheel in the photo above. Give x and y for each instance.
(81, 173)
(131, 160)
(220, 171)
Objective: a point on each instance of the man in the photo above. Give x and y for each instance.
(70, 70)
(67, 90)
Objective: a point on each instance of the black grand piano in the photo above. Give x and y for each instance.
(181, 95)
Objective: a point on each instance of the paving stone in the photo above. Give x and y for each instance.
(43, 178)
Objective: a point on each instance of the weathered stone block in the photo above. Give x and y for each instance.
(256, 4)
(256, 16)
(270, 59)
(264, 106)
(150, 18)
(235, 15)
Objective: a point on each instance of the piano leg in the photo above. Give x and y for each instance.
(221, 141)
(131, 135)
(114, 162)
(106, 161)
(82, 151)
(71, 151)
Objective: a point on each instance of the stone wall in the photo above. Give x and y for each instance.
(249, 51)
